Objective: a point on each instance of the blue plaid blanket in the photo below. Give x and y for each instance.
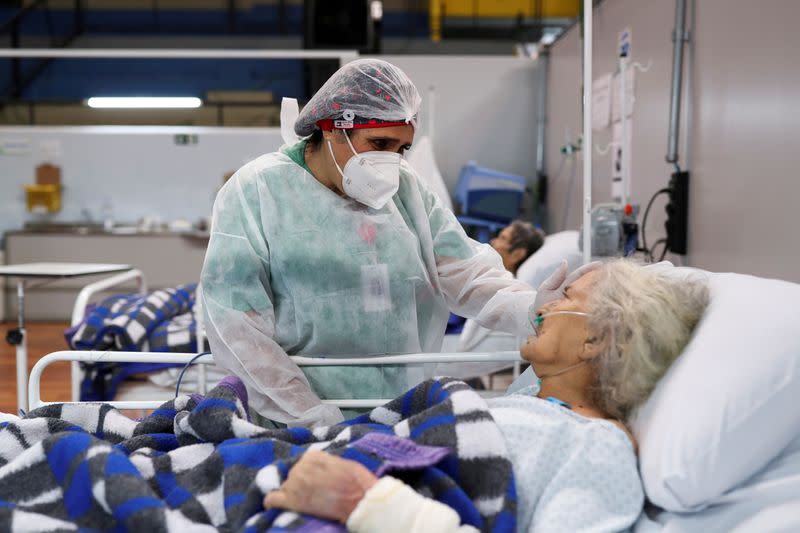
(139, 323)
(161, 321)
(198, 464)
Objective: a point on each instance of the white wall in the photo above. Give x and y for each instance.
(140, 169)
(742, 150)
(484, 110)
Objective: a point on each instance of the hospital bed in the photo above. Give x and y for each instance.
(79, 312)
(719, 438)
(160, 384)
(427, 361)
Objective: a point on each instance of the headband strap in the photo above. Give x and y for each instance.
(328, 124)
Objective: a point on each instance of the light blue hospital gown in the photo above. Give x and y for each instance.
(573, 473)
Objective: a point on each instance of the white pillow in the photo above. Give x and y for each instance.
(557, 247)
(728, 406)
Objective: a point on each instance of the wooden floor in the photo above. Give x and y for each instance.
(43, 338)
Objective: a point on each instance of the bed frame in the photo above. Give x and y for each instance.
(90, 290)
(429, 360)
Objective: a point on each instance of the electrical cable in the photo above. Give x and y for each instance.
(183, 370)
(655, 245)
(646, 253)
(647, 212)
(663, 253)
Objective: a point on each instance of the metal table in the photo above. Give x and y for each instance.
(43, 273)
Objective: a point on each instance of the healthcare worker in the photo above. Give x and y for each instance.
(332, 246)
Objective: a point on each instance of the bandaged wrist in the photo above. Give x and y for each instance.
(391, 506)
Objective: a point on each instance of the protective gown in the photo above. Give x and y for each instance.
(292, 267)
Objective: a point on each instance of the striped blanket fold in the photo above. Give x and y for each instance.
(198, 464)
(139, 323)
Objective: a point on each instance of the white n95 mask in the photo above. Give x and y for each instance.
(371, 178)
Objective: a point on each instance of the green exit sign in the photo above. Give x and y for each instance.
(185, 139)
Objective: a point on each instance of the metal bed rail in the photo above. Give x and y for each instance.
(79, 311)
(85, 296)
(35, 398)
(79, 308)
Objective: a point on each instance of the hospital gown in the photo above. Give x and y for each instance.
(573, 473)
(293, 268)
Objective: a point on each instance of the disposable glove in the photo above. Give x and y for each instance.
(552, 288)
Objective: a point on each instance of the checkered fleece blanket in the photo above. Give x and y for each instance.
(198, 464)
(157, 322)
(161, 321)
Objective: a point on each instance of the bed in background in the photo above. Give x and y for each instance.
(165, 320)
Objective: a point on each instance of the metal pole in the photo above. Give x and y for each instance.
(690, 66)
(78, 20)
(231, 16)
(587, 144)
(539, 208)
(435, 20)
(16, 68)
(342, 55)
(678, 37)
(22, 349)
(148, 357)
(623, 95)
(541, 111)
(282, 17)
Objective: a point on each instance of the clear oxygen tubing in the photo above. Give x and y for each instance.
(537, 321)
(562, 371)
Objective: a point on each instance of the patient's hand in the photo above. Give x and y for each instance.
(323, 485)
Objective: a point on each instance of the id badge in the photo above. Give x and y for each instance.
(375, 291)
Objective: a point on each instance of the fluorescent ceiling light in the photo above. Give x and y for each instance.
(143, 102)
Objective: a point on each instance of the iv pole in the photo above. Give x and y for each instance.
(587, 131)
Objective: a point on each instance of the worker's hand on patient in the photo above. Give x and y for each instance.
(323, 485)
(553, 287)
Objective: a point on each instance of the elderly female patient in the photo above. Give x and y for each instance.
(598, 354)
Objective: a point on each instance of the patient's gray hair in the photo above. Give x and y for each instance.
(643, 319)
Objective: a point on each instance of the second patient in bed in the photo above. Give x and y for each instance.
(599, 353)
(516, 243)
